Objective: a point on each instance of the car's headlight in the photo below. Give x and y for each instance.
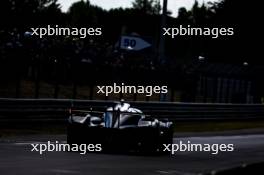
(143, 123)
(96, 121)
(79, 119)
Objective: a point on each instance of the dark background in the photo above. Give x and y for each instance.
(68, 67)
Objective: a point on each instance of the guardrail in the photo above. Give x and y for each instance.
(57, 109)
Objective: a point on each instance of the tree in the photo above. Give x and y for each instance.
(147, 6)
(200, 14)
(24, 13)
(52, 14)
(183, 15)
(83, 13)
(244, 17)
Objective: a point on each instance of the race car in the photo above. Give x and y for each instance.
(119, 128)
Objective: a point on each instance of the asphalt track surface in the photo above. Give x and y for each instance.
(16, 158)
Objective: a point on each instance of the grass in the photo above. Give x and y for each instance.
(217, 126)
(180, 127)
(33, 129)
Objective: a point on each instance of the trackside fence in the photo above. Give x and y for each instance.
(57, 110)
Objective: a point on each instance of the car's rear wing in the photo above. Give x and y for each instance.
(83, 112)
